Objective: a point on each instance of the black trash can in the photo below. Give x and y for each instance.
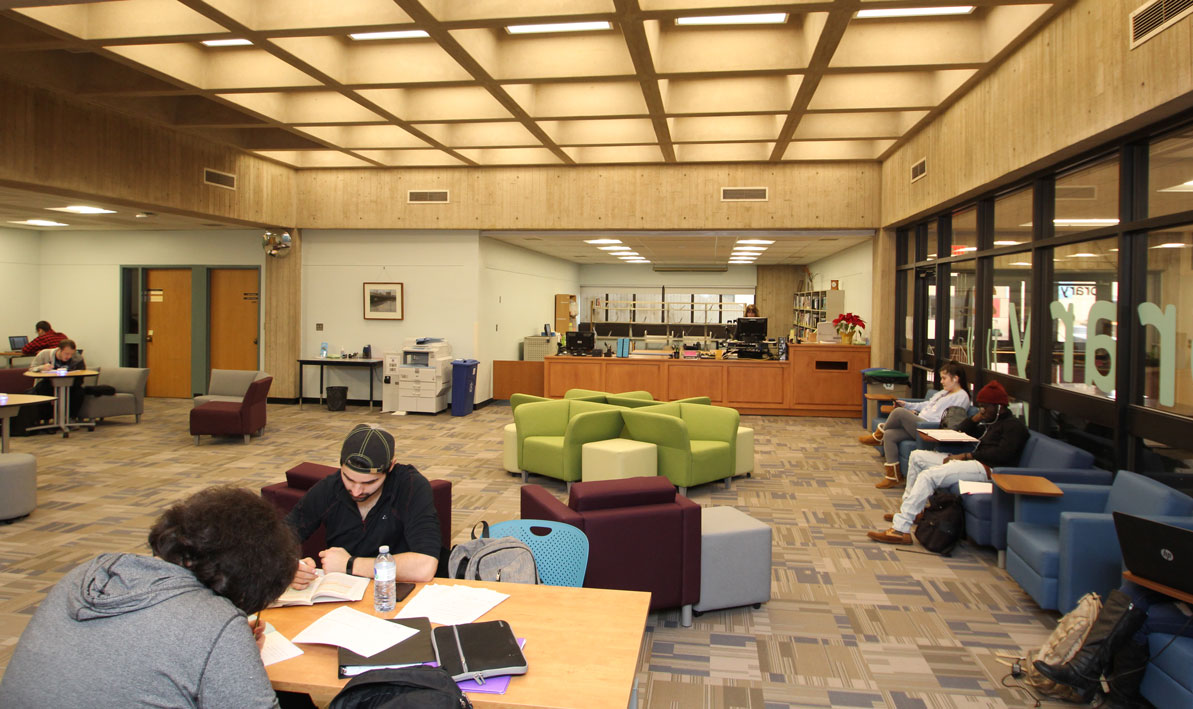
(463, 386)
(337, 398)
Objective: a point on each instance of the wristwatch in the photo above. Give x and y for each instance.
(351, 565)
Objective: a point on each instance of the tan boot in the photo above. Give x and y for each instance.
(891, 536)
(891, 478)
(868, 439)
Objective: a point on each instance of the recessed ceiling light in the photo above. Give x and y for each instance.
(1183, 187)
(602, 241)
(396, 34)
(742, 257)
(639, 260)
(1170, 245)
(1082, 254)
(38, 222)
(762, 18)
(766, 242)
(560, 27)
(749, 248)
(1005, 243)
(81, 209)
(227, 42)
(914, 12)
(1063, 221)
(741, 261)
(1020, 263)
(627, 257)
(614, 248)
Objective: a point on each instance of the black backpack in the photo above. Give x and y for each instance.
(943, 524)
(403, 688)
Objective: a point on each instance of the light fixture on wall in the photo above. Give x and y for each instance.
(276, 243)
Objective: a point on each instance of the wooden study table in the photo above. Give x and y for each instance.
(62, 385)
(10, 355)
(582, 646)
(1023, 485)
(9, 403)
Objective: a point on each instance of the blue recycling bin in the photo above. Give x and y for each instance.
(463, 386)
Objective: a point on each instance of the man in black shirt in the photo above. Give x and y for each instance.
(1001, 437)
(374, 501)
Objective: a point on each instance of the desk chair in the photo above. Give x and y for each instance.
(561, 554)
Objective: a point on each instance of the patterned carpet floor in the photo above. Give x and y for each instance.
(851, 623)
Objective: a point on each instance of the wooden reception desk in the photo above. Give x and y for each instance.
(817, 380)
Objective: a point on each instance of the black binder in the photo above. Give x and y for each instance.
(414, 650)
(478, 650)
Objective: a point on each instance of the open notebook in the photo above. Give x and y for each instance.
(328, 588)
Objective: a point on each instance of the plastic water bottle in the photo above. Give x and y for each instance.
(384, 581)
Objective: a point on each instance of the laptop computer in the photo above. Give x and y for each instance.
(16, 342)
(1156, 551)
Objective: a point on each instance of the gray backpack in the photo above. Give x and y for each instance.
(487, 559)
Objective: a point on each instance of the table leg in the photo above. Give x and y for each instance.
(371, 389)
(4, 417)
(300, 386)
(63, 408)
(1002, 558)
(321, 385)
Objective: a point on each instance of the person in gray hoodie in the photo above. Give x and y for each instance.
(125, 630)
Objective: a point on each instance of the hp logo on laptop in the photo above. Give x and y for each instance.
(1166, 555)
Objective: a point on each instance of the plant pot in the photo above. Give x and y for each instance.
(847, 337)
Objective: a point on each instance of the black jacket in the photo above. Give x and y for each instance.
(1000, 443)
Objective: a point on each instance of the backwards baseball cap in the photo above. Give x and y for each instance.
(993, 393)
(368, 449)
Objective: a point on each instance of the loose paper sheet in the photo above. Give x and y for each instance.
(451, 605)
(361, 633)
(970, 487)
(277, 647)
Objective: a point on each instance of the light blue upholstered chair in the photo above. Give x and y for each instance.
(560, 550)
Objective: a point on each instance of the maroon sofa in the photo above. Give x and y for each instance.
(228, 418)
(14, 381)
(303, 477)
(642, 536)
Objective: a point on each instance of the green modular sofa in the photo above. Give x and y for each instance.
(696, 443)
(551, 434)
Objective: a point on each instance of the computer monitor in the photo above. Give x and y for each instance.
(751, 329)
(580, 342)
(16, 342)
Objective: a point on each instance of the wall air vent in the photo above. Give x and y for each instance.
(745, 194)
(690, 269)
(1076, 191)
(215, 178)
(919, 169)
(1156, 16)
(427, 197)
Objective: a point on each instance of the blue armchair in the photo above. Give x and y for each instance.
(1167, 681)
(1060, 548)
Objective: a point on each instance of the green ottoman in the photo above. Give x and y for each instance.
(618, 458)
(734, 559)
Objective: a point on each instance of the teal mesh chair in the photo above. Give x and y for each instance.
(560, 550)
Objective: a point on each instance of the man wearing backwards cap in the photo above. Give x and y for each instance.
(1001, 437)
(374, 501)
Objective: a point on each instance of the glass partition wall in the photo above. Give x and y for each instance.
(1074, 289)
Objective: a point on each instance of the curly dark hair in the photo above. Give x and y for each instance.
(233, 541)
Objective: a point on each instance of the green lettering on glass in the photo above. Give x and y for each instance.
(1022, 347)
(1094, 341)
(1165, 323)
(1065, 314)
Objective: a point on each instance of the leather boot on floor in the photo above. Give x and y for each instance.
(870, 439)
(892, 478)
(1125, 676)
(891, 536)
(1113, 628)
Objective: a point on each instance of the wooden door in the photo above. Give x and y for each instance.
(168, 332)
(233, 308)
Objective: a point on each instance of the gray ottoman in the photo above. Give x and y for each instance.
(734, 559)
(18, 485)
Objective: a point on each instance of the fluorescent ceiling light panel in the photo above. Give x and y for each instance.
(1183, 187)
(625, 257)
(749, 248)
(82, 209)
(639, 260)
(766, 242)
(741, 261)
(396, 34)
(602, 241)
(762, 18)
(38, 222)
(227, 43)
(614, 248)
(1020, 263)
(1083, 254)
(914, 12)
(1170, 245)
(560, 27)
(1006, 242)
(1062, 221)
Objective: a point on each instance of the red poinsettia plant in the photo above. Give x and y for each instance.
(848, 322)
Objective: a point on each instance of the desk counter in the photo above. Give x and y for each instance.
(817, 380)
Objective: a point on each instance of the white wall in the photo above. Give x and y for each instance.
(644, 275)
(20, 281)
(517, 297)
(853, 267)
(439, 271)
(80, 275)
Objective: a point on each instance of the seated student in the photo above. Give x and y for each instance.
(126, 630)
(65, 356)
(1117, 647)
(1001, 437)
(374, 501)
(46, 339)
(901, 424)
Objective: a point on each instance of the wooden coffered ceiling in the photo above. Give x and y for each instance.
(823, 84)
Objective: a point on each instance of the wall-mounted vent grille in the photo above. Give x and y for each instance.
(745, 194)
(1154, 17)
(216, 178)
(427, 197)
(1076, 191)
(919, 169)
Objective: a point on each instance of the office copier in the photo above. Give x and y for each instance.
(419, 378)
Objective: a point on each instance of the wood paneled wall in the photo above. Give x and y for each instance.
(773, 294)
(1073, 85)
(804, 195)
(52, 143)
(283, 319)
(882, 311)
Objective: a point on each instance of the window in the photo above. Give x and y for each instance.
(962, 310)
(906, 245)
(1010, 315)
(1084, 313)
(1170, 174)
(928, 275)
(1087, 198)
(965, 232)
(932, 242)
(1167, 319)
(1012, 218)
(909, 313)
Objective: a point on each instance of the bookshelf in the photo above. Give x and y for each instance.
(813, 307)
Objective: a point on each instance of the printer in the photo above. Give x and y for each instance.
(419, 378)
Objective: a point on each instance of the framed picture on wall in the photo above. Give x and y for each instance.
(383, 301)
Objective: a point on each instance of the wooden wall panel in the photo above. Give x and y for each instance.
(1073, 85)
(758, 384)
(514, 377)
(774, 293)
(636, 376)
(573, 373)
(51, 143)
(804, 195)
(283, 319)
(882, 309)
(696, 380)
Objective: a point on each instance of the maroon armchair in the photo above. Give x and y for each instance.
(303, 477)
(227, 418)
(642, 536)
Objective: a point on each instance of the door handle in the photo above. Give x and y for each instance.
(254, 340)
(149, 338)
